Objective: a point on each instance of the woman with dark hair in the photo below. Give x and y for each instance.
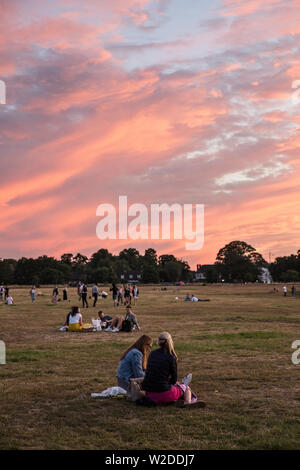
(127, 298)
(114, 290)
(65, 293)
(84, 294)
(134, 361)
(160, 382)
(74, 320)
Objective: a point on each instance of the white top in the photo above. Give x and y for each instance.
(10, 300)
(75, 319)
(194, 299)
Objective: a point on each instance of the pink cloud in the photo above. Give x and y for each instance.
(82, 129)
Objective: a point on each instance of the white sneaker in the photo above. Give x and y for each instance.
(187, 379)
(115, 330)
(108, 329)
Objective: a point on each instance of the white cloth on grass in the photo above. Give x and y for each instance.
(110, 392)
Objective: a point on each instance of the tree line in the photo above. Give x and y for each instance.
(235, 262)
(102, 267)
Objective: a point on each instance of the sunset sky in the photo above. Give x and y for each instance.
(163, 101)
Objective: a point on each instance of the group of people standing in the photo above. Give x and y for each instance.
(124, 295)
(82, 291)
(5, 295)
(293, 291)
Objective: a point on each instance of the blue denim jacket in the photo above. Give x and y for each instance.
(131, 366)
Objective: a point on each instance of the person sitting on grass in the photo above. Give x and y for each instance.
(124, 324)
(187, 298)
(105, 319)
(160, 381)
(133, 362)
(9, 300)
(194, 298)
(74, 320)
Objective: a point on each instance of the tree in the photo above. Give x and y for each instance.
(80, 259)
(150, 274)
(291, 275)
(211, 275)
(7, 270)
(236, 259)
(283, 264)
(132, 256)
(101, 258)
(172, 271)
(66, 258)
(150, 257)
(51, 276)
(25, 270)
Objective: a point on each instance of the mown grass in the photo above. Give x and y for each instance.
(238, 347)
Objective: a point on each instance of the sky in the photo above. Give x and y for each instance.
(164, 101)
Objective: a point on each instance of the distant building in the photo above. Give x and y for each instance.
(200, 275)
(130, 276)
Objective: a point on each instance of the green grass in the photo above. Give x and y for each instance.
(238, 347)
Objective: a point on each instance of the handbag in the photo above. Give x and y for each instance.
(134, 391)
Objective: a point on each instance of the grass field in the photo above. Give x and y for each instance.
(238, 347)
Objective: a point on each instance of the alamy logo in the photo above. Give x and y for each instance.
(187, 222)
(2, 92)
(2, 353)
(296, 354)
(296, 94)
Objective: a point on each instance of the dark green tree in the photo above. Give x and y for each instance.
(238, 258)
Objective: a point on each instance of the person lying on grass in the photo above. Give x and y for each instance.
(160, 381)
(134, 361)
(124, 324)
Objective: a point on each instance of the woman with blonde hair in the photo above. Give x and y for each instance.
(160, 382)
(133, 362)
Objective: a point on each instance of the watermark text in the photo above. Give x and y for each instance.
(163, 221)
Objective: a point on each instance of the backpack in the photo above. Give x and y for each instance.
(126, 326)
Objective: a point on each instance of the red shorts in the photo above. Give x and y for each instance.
(166, 397)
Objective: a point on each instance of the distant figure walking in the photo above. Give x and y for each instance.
(293, 289)
(6, 292)
(120, 296)
(32, 293)
(55, 294)
(65, 293)
(95, 293)
(114, 290)
(79, 290)
(84, 296)
(135, 294)
(284, 291)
